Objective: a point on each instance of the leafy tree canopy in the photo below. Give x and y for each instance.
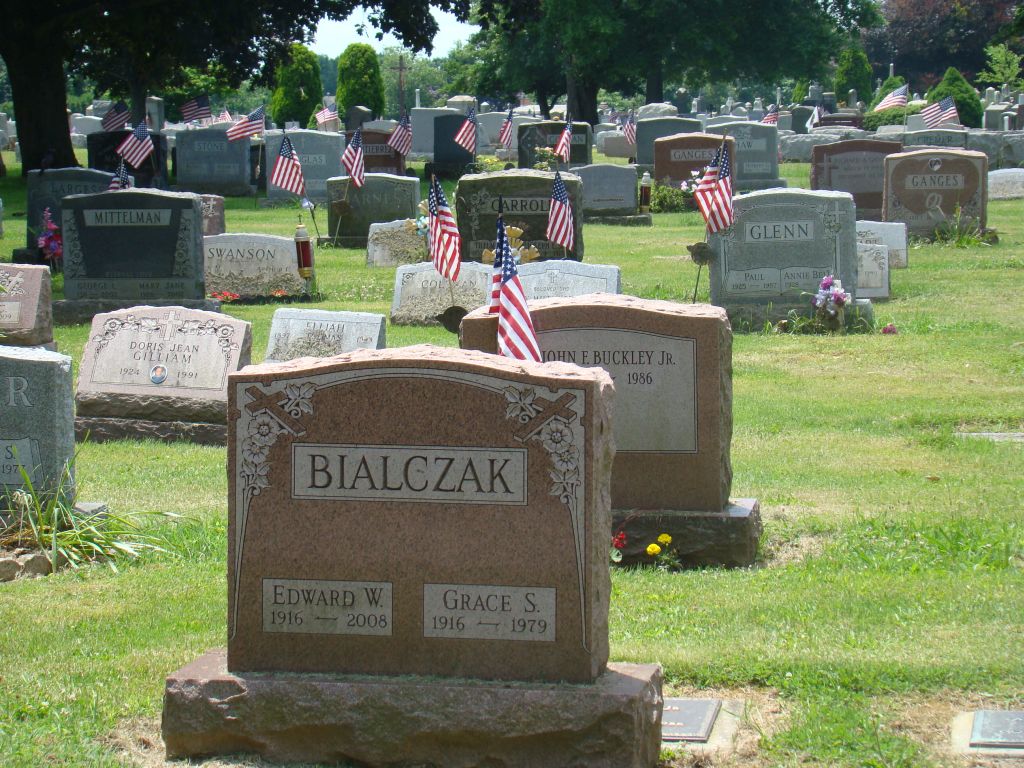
(853, 71)
(359, 80)
(298, 91)
(1003, 66)
(968, 106)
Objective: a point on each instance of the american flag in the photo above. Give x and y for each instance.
(352, 158)
(505, 134)
(326, 114)
(565, 142)
(897, 98)
(814, 119)
(629, 129)
(401, 137)
(465, 137)
(288, 169)
(116, 117)
(250, 125)
(501, 247)
(120, 179)
(445, 241)
(560, 223)
(714, 192)
(944, 112)
(137, 146)
(196, 109)
(225, 116)
(771, 117)
(516, 337)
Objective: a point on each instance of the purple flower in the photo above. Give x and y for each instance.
(826, 282)
(890, 329)
(838, 297)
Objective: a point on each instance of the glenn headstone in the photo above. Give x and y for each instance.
(318, 333)
(856, 167)
(383, 197)
(208, 162)
(526, 197)
(252, 265)
(26, 318)
(320, 155)
(925, 188)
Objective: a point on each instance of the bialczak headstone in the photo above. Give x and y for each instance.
(854, 166)
(351, 210)
(252, 265)
(773, 257)
(37, 430)
(423, 297)
(672, 367)
(207, 161)
(159, 372)
(757, 154)
(133, 244)
(526, 196)
(927, 188)
(610, 194)
(319, 333)
(476, 545)
(546, 134)
(320, 155)
(565, 278)
(26, 316)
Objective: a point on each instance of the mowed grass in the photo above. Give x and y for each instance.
(892, 566)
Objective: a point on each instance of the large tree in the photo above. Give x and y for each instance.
(298, 90)
(131, 46)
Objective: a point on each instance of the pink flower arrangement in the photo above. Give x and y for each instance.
(51, 243)
(890, 329)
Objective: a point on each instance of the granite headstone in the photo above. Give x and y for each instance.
(252, 265)
(320, 333)
(854, 166)
(382, 198)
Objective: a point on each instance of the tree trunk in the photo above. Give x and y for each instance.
(655, 92)
(38, 88)
(137, 94)
(581, 99)
(544, 105)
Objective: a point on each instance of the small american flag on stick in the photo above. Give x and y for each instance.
(288, 169)
(465, 137)
(629, 129)
(897, 98)
(561, 228)
(116, 118)
(326, 114)
(564, 144)
(714, 191)
(771, 117)
(445, 241)
(516, 336)
(352, 158)
(250, 125)
(120, 179)
(401, 137)
(505, 133)
(196, 109)
(137, 146)
(944, 112)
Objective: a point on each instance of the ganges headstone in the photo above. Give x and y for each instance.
(678, 157)
(526, 201)
(252, 265)
(133, 244)
(854, 166)
(382, 198)
(26, 317)
(322, 333)
(926, 187)
(320, 155)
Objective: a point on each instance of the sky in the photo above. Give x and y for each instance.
(332, 37)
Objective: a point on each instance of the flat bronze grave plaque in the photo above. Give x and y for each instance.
(689, 719)
(996, 728)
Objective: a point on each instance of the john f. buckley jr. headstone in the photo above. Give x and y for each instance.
(475, 541)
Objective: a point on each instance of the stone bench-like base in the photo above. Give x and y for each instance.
(382, 721)
(101, 429)
(75, 311)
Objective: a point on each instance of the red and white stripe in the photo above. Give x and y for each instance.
(288, 170)
(564, 145)
(516, 336)
(137, 146)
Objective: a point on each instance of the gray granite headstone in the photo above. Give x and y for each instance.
(391, 243)
(133, 244)
(46, 189)
(26, 316)
(564, 278)
(446, 151)
(872, 271)
(213, 214)
(546, 134)
(422, 122)
(854, 166)
(320, 155)
(319, 333)
(649, 129)
(37, 429)
(526, 196)
(936, 137)
(1006, 184)
(356, 117)
(383, 197)
(995, 728)
(86, 124)
(778, 249)
(757, 154)
(608, 189)
(893, 235)
(421, 295)
(252, 265)
(208, 162)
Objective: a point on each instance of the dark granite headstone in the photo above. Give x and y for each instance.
(103, 156)
(356, 116)
(689, 719)
(856, 167)
(546, 133)
(46, 189)
(378, 157)
(351, 210)
(450, 159)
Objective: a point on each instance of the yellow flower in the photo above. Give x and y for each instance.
(653, 549)
(665, 539)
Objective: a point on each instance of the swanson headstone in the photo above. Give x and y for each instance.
(320, 155)
(252, 265)
(526, 200)
(854, 166)
(208, 162)
(134, 244)
(26, 317)
(319, 333)
(927, 187)
(383, 197)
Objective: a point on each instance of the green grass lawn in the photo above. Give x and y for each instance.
(890, 588)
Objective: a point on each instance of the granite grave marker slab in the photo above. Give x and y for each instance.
(320, 155)
(382, 198)
(378, 157)
(320, 333)
(566, 278)
(854, 166)
(935, 137)
(925, 187)
(252, 265)
(421, 295)
(422, 121)
(208, 162)
(677, 157)
(103, 156)
(650, 129)
(26, 317)
(608, 190)
(46, 189)
(526, 196)
(757, 154)
(545, 134)
(893, 235)
(449, 157)
(213, 214)
(872, 271)
(392, 243)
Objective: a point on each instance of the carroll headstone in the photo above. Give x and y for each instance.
(135, 244)
(208, 162)
(252, 265)
(526, 200)
(320, 333)
(320, 155)
(26, 317)
(927, 187)
(854, 166)
(383, 197)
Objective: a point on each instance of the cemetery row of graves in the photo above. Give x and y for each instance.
(783, 530)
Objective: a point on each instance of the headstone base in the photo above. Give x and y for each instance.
(752, 185)
(636, 220)
(74, 311)
(746, 317)
(101, 429)
(382, 721)
(728, 538)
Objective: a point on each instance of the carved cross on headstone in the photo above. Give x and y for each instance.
(171, 326)
(551, 409)
(271, 403)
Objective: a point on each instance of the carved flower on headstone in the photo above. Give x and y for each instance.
(521, 404)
